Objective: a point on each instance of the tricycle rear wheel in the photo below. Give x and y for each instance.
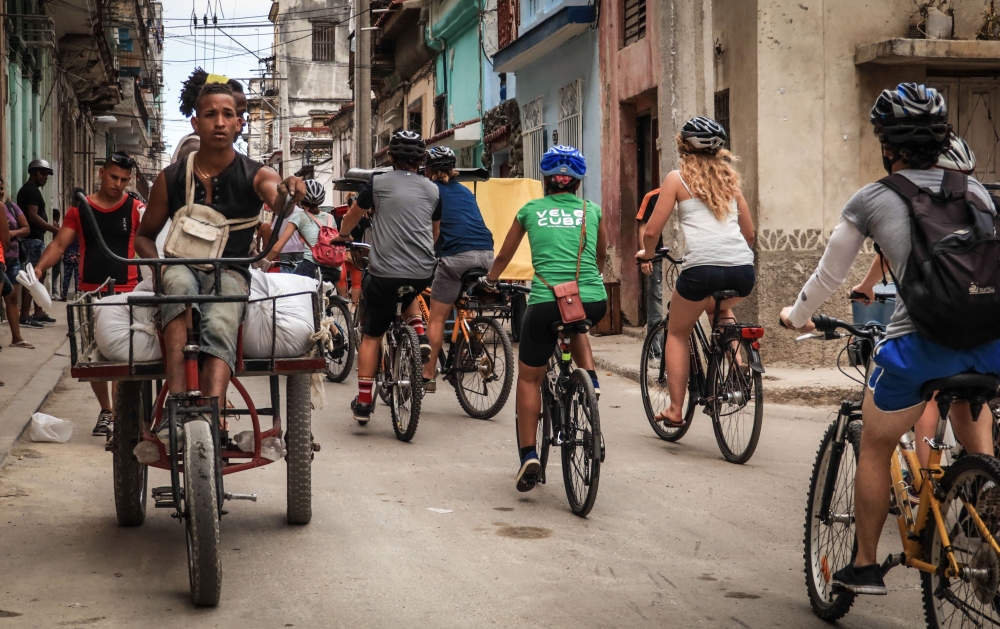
(129, 474)
(202, 514)
(299, 441)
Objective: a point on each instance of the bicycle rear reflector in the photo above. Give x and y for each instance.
(752, 333)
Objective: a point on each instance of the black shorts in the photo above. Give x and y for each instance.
(699, 282)
(381, 296)
(538, 341)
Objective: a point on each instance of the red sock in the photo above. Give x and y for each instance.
(365, 386)
(417, 324)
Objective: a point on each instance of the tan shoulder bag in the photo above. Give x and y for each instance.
(568, 293)
(198, 231)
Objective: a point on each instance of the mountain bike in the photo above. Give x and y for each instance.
(725, 378)
(571, 421)
(479, 362)
(399, 380)
(952, 537)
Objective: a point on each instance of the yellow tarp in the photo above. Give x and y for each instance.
(499, 200)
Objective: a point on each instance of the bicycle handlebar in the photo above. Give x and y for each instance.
(88, 212)
(507, 287)
(663, 253)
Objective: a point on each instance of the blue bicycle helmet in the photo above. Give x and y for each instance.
(563, 160)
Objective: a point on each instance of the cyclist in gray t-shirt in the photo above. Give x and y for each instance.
(406, 214)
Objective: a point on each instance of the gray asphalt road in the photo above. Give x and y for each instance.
(678, 538)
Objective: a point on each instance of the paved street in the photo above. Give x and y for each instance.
(678, 538)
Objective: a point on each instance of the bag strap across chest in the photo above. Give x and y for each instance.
(235, 224)
(579, 253)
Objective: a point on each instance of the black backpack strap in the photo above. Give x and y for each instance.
(955, 182)
(901, 186)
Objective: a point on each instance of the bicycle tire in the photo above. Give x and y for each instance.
(478, 354)
(337, 369)
(583, 446)
(980, 474)
(130, 476)
(543, 434)
(653, 386)
(202, 514)
(822, 537)
(408, 368)
(299, 442)
(732, 390)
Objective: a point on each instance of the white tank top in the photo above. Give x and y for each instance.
(709, 240)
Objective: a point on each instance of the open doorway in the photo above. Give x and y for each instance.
(647, 176)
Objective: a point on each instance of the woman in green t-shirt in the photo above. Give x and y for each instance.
(307, 224)
(556, 225)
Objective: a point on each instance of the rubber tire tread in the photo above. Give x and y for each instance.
(508, 374)
(546, 423)
(667, 434)
(582, 509)
(409, 349)
(130, 476)
(299, 443)
(352, 342)
(758, 419)
(985, 463)
(842, 603)
(201, 504)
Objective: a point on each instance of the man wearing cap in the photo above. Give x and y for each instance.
(32, 203)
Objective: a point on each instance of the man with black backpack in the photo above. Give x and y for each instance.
(947, 310)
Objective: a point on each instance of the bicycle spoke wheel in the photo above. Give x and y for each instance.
(484, 369)
(341, 358)
(653, 385)
(829, 538)
(972, 487)
(583, 444)
(737, 403)
(407, 386)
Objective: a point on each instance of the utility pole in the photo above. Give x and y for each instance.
(284, 71)
(362, 86)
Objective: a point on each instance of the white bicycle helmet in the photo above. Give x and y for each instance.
(315, 193)
(958, 157)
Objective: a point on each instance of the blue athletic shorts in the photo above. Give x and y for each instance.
(905, 363)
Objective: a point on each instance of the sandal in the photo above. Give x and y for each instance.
(666, 421)
(23, 345)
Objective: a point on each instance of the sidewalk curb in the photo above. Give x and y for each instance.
(15, 418)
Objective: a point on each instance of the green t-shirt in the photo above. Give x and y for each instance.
(309, 230)
(553, 224)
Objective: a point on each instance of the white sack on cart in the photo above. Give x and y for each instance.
(294, 316)
(111, 329)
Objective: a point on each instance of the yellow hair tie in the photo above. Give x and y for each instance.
(216, 78)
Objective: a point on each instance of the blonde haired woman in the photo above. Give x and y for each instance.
(718, 231)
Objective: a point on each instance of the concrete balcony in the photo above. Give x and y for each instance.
(953, 54)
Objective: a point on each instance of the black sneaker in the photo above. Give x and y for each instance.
(859, 580)
(31, 323)
(103, 427)
(362, 412)
(43, 318)
(527, 476)
(425, 347)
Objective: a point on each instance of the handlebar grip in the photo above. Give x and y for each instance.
(824, 323)
(856, 295)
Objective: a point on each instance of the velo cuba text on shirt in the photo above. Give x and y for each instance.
(559, 218)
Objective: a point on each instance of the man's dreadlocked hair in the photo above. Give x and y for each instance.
(191, 89)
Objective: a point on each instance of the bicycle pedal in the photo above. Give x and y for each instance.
(558, 439)
(163, 497)
(892, 561)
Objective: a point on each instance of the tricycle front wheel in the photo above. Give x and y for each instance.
(202, 514)
(129, 474)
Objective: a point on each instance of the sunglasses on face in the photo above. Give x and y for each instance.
(122, 160)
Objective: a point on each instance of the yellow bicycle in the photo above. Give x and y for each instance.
(952, 537)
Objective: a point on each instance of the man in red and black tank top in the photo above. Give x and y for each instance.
(117, 214)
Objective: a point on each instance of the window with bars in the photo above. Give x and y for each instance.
(635, 20)
(570, 128)
(722, 114)
(323, 41)
(533, 136)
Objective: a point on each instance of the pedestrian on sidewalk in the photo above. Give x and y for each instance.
(17, 224)
(32, 202)
(71, 269)
(719, 234)
(117, 214)
(652, 270)
(57, 270)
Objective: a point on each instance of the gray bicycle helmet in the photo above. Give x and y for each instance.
(958, 157)
(407, 145)
(315, 193)
(704, 134)
(441, 158)
(911, 114)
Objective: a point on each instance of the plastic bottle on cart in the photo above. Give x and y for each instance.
(273, 448)
(244, 440)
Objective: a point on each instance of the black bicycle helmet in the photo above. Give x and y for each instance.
(441, 158)
(704, 134)
(315, 193)
(407, 145)
(911, 114)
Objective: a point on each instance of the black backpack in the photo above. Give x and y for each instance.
(952, 283)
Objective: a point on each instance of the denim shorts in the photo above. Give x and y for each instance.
(218, 323)
(6, 287)
(308, 268)
(905, 363)
(13, 268)
(33, 249)
(698, 282)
